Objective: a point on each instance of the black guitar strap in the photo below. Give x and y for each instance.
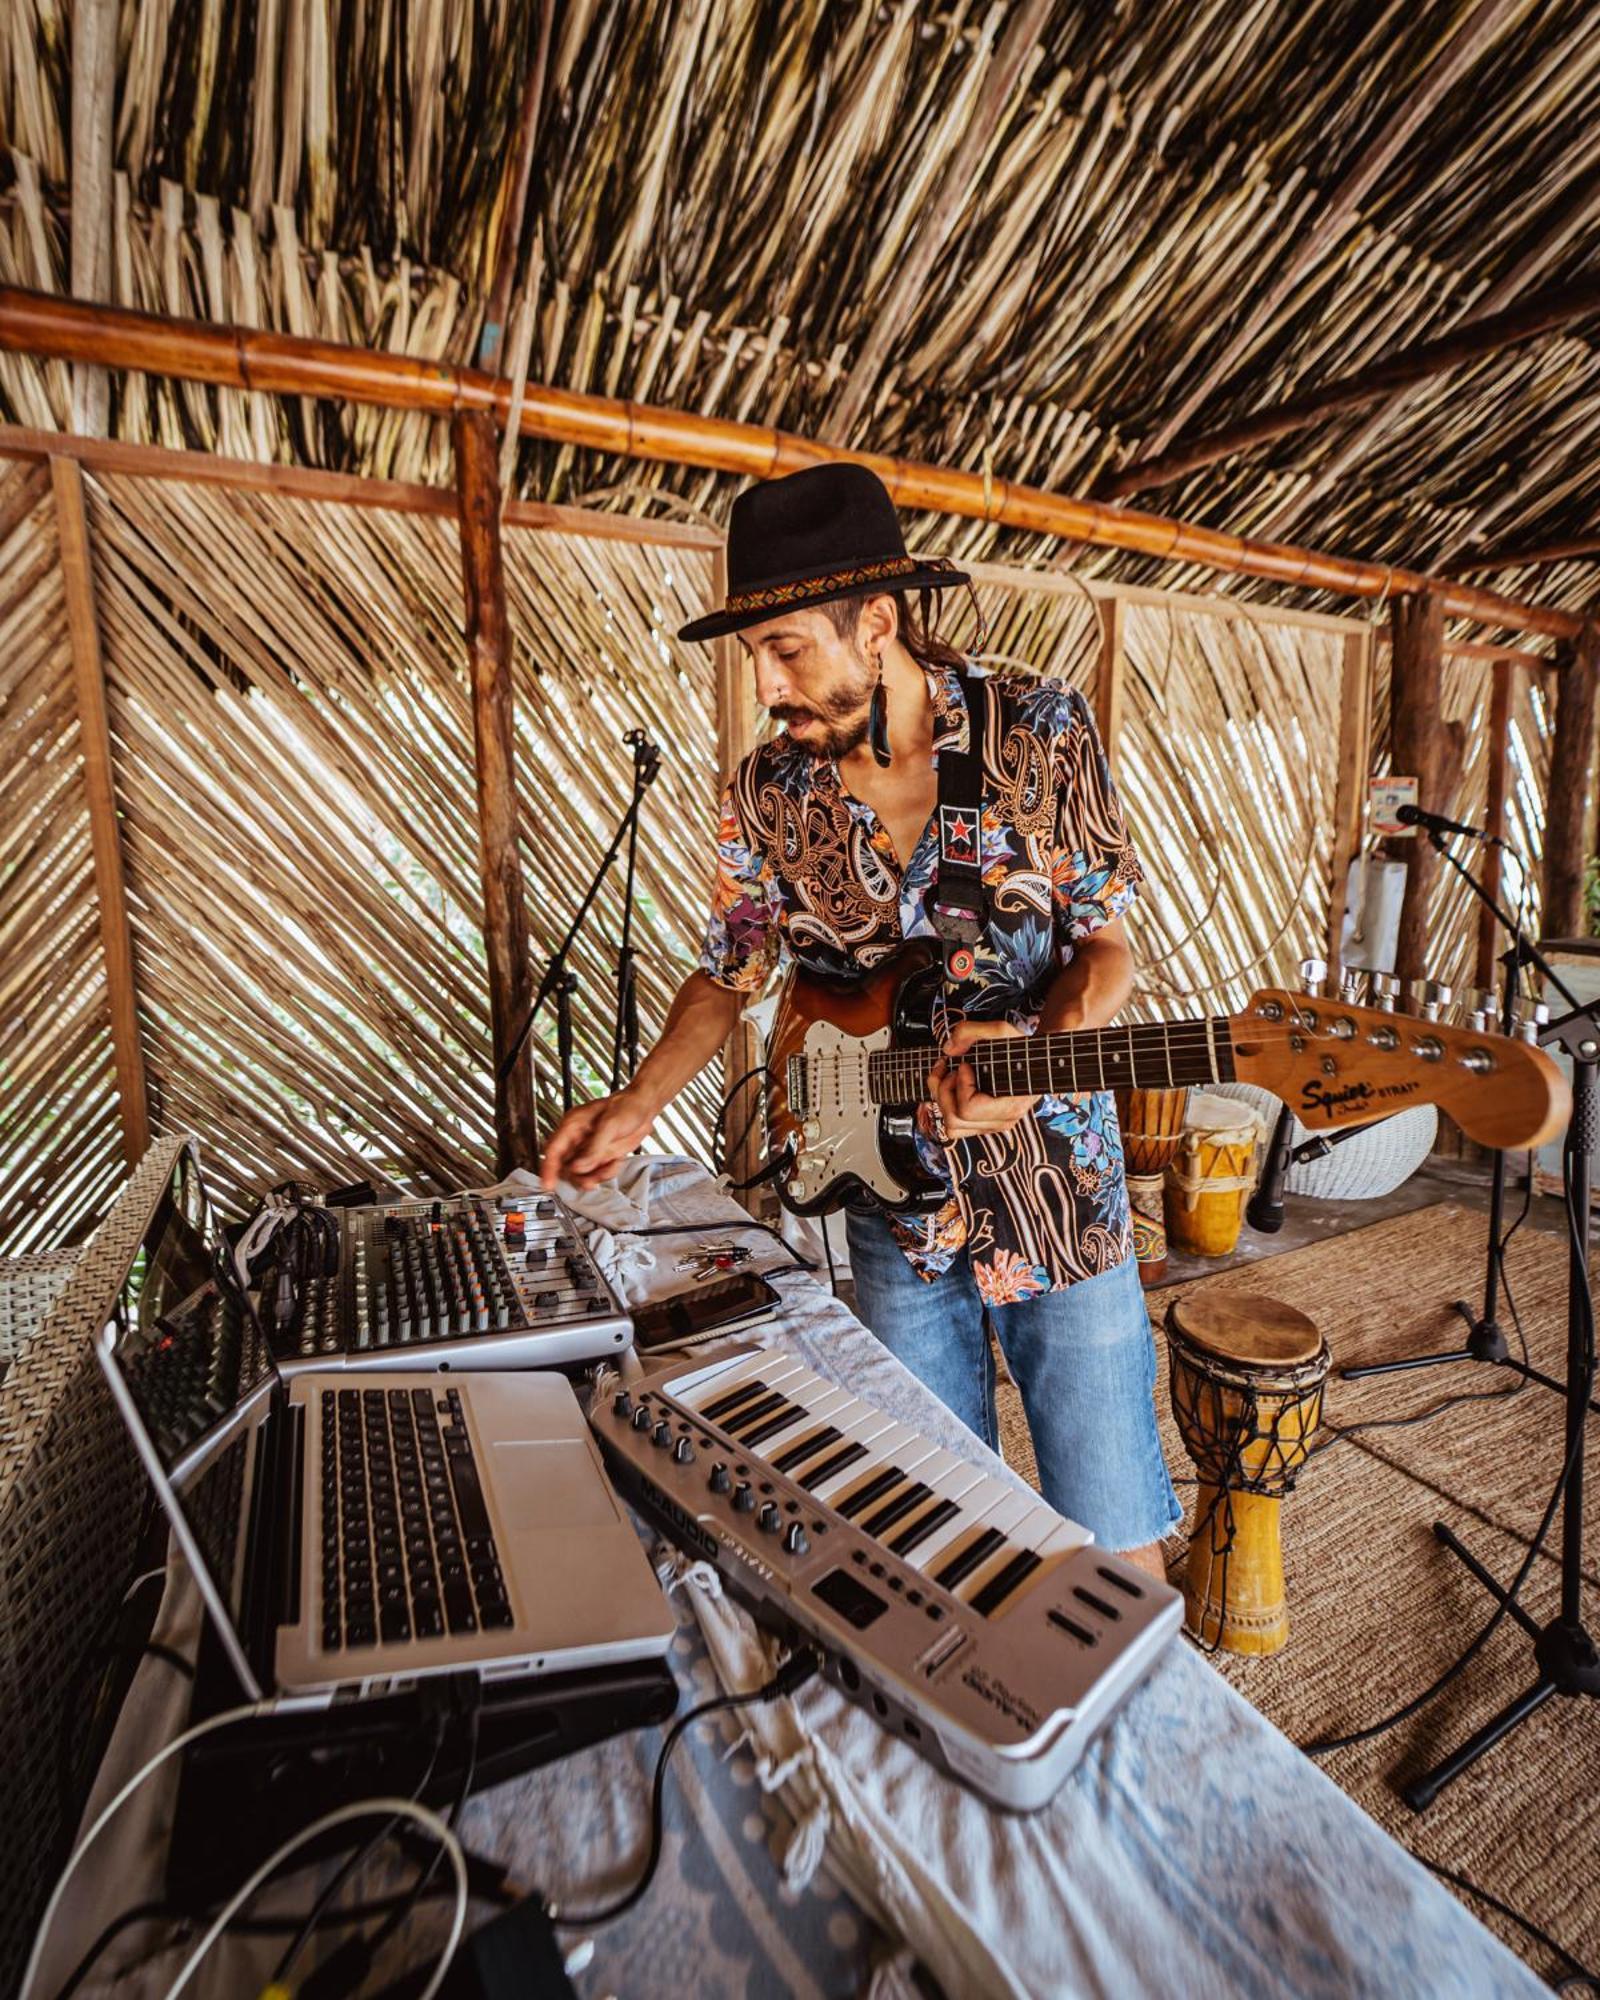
(958, 893)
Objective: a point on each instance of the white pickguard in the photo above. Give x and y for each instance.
(840, 1113)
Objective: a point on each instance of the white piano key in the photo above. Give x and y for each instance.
(705, 1385)
(976, 1503)
(1003, 1520)
(1048, 1533)
(882, 1438)
(814, 1417)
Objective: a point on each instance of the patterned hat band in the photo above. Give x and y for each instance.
(858, 576)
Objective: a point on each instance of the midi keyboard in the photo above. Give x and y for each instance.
(970, 1618)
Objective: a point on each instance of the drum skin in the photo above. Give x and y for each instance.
(1247, 1375)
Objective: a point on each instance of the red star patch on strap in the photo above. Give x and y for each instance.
(957, 835)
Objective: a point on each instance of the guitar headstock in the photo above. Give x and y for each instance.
(1336, 1064)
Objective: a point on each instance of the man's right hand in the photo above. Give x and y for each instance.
(593, 1140)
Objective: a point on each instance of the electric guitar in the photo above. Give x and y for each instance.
(848, 1066)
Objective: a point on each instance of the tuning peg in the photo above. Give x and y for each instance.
(1537, 1016)
(1385, 991)
(1312, 973)
(1353, 986)
(1428, 997)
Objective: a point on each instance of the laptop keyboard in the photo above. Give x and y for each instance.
(407, 1550)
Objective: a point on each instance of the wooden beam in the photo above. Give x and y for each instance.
(1533, 557)
(1540, 315)
(743, 1138)
(1350, 784)
(1494, 821)
(279, 364)
(1566, 816)
(998, 97)
(1415, 739)
(505, 921)
(508, 247)
(1341, 210)
(1108, 681)
(105, 835)
(94, 102)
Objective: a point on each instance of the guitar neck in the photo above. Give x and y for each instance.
(1149, 1055)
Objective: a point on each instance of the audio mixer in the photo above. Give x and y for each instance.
(472, 1281)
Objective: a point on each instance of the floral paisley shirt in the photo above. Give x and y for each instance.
(807, 874)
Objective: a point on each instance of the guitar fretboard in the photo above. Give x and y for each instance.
(1148, 1055)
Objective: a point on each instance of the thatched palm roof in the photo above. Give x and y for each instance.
(928, 232)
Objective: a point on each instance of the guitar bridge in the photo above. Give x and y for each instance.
(795, 1084)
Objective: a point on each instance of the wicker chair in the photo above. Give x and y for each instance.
(71, 1490)
(1373, 1163)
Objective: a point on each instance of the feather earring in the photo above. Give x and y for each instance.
(878, 723)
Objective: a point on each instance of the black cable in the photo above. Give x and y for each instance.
(790, 1677)
(1321, 1746)
(469, 1773)
(1576, 1968)
(833, 1275)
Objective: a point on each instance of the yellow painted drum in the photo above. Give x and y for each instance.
(1247, 1375)
(1210, 1180)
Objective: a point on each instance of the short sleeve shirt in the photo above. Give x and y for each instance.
(806, 874)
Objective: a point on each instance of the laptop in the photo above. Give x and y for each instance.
(352, 1536)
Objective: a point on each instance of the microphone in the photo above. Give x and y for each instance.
(1409, 815)
(1264, 1211)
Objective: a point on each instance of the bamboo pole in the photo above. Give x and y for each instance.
(1109, 677)
(1494, 820)
(1566, 806)
(1355, 739)
(1538, 316)
(505, 921)
(279, 364)
(94, 98)
(492, 339)
(1415, 686)
(94, 743)
(1533, 557)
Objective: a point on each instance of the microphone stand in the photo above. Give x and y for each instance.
(562, 982)
(1565, 1656)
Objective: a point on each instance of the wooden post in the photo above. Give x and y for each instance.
(105, 837)
(1108, 679)
(1355, 751)
(1416, 685)
(1494, 813)
(1566, 816)
(505, 921)
(736, 735)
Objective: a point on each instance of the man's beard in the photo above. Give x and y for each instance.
(845, 715)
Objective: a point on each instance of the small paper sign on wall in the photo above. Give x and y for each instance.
(1384, 796)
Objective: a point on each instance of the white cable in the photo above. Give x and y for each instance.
(200, 1729)
(430, 1822)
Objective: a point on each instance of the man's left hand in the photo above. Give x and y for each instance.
(965, 1111)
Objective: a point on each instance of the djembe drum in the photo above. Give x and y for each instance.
(1247, 1380)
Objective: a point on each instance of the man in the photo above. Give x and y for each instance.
(828, 854)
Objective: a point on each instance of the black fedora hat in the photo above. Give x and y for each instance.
(824, 532)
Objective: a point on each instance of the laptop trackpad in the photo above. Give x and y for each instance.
(551, 1484)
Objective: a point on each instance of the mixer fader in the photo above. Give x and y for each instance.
(472, 1281)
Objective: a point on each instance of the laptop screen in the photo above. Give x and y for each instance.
(187, 1353)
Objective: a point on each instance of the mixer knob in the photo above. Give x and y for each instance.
(795, 1540)
(770, 1519)
(719, 1481)
(641, 1418)
(744, 1497)
(1313, 971)
(622, 1404)
(683, 1452)
(1385, 991)
(661, 1436)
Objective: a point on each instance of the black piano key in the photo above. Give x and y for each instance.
(715, 1412)
(807, 1447)
(872, 1490)
(922, 1527)
(1000, 1586)
(978, 1550)
(897, 1509)
(779, 1421)
(735, 1425)
(837, 1461)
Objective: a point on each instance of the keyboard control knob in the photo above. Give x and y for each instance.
(719, 1481)
(683, 1452)
(795, 1539)
(744, 1497)
(622, 1403)
(641, 1418)
(662, 1434)
(770, 1519)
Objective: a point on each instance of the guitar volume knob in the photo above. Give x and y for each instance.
(811, 1128)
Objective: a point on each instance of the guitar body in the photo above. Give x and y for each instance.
(841, 1148)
